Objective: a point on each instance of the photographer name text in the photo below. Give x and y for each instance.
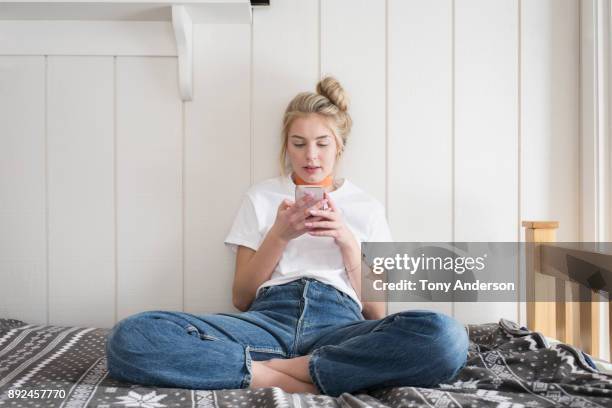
(426, 285)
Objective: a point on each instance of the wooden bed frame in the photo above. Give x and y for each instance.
(570, 321)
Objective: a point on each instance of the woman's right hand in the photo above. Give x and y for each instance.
(290, 217)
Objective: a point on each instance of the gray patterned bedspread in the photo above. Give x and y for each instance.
(508, 367)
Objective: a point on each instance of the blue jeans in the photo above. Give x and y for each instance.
(348, 353)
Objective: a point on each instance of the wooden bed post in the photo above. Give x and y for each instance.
(589, 322)
(541, 316)
(573, 316)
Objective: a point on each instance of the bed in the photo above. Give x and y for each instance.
(508, 365)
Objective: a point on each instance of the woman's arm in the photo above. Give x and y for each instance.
(254, 268)
(351, 255)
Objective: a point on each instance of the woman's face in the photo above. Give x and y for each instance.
(311, 148)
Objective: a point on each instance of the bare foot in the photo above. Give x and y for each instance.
(264, 376)
(296, 367)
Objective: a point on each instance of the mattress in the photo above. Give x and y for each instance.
(508, 366)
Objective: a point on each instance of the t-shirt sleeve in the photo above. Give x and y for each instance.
(379, 227)
(245, 229)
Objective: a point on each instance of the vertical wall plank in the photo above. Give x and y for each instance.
(588, 125)
(550, 126)
(217, 142)
(149, 185)
(486, 132)
(285, 62)
(550, 134)
(420, 125)
(81, 191)
(23, 252)
(357, 58)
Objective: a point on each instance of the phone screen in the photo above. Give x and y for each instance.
(316, 191)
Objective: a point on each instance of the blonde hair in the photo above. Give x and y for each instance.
(330, 101)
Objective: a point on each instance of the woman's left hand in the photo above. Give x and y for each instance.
(331, 225)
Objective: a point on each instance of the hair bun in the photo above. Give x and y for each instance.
(332, 90)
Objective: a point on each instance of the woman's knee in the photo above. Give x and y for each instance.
(447, 341)
(449, 347)
(129, 341)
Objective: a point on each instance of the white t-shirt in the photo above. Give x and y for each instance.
(307, 255)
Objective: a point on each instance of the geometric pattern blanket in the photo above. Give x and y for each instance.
(508, 367)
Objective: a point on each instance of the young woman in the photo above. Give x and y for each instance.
(302, 325)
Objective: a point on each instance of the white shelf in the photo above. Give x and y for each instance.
(183, 14)
(201, 11)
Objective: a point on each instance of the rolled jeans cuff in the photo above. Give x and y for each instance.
(314, 370)
(246, 381)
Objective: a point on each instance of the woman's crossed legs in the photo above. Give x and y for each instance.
(419, 348)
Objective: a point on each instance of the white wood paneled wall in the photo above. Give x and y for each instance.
(550, 133)
(420, 125)
(81, 189)
(217, 149)
(486, 135)
(115, 196)
(149, 195)
(550, 72)
(23, 210)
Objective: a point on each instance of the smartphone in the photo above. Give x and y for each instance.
(316, 191)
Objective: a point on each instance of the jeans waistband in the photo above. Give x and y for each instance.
(301, 282)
